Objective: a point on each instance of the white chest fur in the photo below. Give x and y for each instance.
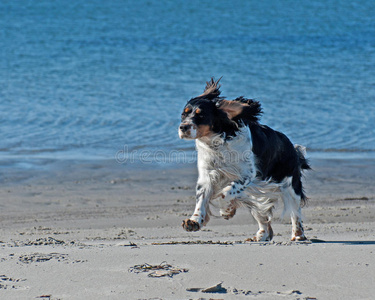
(226, 160)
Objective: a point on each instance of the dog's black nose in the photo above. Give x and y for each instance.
(184, 127)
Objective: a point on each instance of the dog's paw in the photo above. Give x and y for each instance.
(229, 212)
(190, 225)
(263, 235)
(298, 234)
(259, 238)
(298, 238)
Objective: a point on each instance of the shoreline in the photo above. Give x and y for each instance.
(36, 165)
(150, 158)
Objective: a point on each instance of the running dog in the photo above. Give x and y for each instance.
(241, 162)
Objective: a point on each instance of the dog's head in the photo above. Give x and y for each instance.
(210, 114)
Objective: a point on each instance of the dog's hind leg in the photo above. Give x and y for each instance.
(292, 205)
(262, 213)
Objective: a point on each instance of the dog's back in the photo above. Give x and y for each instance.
(277, 158)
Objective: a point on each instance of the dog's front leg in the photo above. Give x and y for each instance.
(200, 216)
(229, 195)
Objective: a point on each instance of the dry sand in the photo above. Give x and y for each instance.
(76, 230)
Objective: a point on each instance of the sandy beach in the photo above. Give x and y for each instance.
(103, 230)
(89, 89)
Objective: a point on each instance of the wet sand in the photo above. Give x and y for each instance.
(76, 230)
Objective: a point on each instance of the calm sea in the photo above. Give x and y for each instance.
(92, 79)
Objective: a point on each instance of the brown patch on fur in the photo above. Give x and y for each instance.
(250, 239)
(298, 234)
(196, 215)
(230, 211)
(203, 130)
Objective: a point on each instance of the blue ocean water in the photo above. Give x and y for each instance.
(87, 79)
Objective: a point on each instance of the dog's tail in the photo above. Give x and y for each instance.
(304, 165)
(303, 162)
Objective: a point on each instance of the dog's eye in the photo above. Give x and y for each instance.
(198, 111)
(187, 110)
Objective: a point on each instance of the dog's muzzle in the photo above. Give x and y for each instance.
(187, 131)
(185, 127)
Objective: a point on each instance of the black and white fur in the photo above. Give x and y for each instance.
(241, 162)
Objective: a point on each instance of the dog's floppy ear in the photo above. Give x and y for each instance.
(212, 89)
(232, 108)
(241, 109)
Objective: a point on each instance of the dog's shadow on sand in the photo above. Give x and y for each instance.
(318, 241)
